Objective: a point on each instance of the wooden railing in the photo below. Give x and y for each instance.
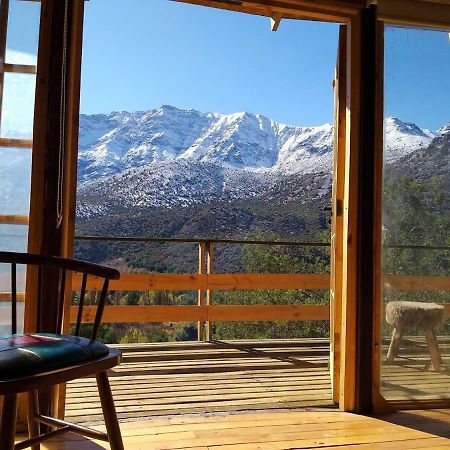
(205, 282)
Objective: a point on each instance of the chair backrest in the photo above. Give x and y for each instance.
(60, 266)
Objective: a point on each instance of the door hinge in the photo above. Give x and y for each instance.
(339, 207)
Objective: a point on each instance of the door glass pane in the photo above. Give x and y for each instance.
(18, 105)
(13, 238)
(15, 173)
(23, 32)
(16, 113)
(416, 216)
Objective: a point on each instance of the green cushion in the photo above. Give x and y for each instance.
(23, 355)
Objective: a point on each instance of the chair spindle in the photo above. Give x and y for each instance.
(80, 307)
(62, 289)
(39, 299)
(100, 308)
(13, 298)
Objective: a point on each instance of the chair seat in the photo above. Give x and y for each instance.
(22, 355)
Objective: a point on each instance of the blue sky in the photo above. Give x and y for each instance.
(159, 52)
(154, 52)
(417, 76)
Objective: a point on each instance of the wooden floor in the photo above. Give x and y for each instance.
(276, 430)
(201, 377)
(254, 395)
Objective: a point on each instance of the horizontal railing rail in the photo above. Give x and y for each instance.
(212, 281)
(200, 241)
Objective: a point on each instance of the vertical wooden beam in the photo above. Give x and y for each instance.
(350, 218)
(340, 85)
(75, 33)
(201, 293)
(366, 214)
(52, 178)
(209, 270)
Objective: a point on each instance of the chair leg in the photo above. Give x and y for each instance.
(433, 347)
(33, 410)
(109, 412)
(395, 344)
(8, 422)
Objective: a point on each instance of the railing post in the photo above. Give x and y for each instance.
(201, 293)
(209, 270)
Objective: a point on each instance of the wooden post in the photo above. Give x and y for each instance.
(209, 270)
(201, 293)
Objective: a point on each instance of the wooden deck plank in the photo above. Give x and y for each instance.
(158, 379)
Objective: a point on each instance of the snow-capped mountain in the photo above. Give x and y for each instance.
(168, 156)
(402, 138)
(115, 142)
(112, 143)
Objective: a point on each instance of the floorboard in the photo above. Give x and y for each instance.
(277, 430)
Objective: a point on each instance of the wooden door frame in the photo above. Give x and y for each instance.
(352, 341)
(436, 17)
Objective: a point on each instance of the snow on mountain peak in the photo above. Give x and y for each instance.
(444, 129)
(404, 137)
(111, 143)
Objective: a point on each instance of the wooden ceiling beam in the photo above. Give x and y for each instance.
(420, 13)
(275, 21)
(328, 11)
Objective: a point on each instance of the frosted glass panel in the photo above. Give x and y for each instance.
(15, 174)
(416, 217)
(13, 238)
(18, 105)
(23, 32)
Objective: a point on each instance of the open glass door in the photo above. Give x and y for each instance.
(415, 326)
(340, 84)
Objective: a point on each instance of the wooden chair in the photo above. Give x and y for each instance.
(29, 362)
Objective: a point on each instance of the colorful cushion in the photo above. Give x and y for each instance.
(22, 355)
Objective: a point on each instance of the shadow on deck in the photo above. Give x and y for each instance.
(204, 377)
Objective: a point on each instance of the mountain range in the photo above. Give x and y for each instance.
(171, 157)
(182, 173)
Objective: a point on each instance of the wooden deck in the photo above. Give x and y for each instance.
(275, 430)
(203, 377)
